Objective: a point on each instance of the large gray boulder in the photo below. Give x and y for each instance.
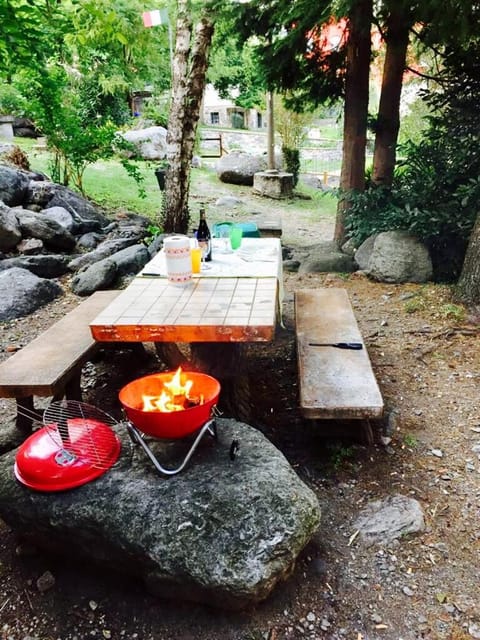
(10, 234)
(98, 276)
(326, 258)
(239, 168)
(364, 252)
(43, 266)
(22, 292)
(64, 218)
(13, 185)
(83, 211)
(221, 532)
(102, 251)
(131, 260)
(40, 192)
(383, 521)
(397, 257)
(52, 233)
(149, 143)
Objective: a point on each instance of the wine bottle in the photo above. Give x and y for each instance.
(204, 237)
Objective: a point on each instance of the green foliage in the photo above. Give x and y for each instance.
(234, 69)
(31, 33)
(414, 124)
(109, 40)
(291, 158)
(156, 109)
(74, 137)
(340, 456)
(153, 231)
(108, 105)
(291, 125)
(11, 100)
(285, 33)
(436, 187)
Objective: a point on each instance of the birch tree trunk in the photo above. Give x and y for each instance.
(352, 176)
(190, 64)
(468, 286)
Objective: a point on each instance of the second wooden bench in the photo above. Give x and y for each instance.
(334, 382)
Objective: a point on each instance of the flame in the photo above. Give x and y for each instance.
(174, 397)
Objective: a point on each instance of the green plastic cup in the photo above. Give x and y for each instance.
(235, 237)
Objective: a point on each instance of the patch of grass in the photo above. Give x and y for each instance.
(453, 312)
(340, 455)
(414, 304)
(107, 184)
(410, 441)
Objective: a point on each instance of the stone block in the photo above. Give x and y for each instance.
(273, 184)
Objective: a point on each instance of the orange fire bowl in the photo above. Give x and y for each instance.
(176, 424)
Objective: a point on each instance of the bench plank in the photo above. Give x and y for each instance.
(45, 365)
(334, 383)
(269, 225)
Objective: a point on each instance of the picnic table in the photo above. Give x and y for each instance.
(235, 301)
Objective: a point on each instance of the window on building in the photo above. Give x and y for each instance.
(259, 120)
(214, 117)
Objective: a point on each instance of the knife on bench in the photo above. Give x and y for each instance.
(356, 346)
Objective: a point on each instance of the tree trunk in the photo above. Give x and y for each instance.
(388, 120)
(468, 286)
(352, 177)
(189, 69)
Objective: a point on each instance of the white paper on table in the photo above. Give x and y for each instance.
(256, 258)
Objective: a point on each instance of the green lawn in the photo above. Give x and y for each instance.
(108, 184)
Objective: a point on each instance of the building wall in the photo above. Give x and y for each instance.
(219, 112)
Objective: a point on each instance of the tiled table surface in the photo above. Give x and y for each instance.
(206, 310)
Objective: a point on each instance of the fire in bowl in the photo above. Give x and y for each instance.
(171, 404)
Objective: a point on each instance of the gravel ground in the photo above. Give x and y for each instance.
(425, 586)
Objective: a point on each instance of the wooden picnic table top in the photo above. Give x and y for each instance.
(210, 308)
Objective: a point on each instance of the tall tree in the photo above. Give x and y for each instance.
(296, 59)
(395, 31)
(189, 70)
(358, 52)
(468, 286)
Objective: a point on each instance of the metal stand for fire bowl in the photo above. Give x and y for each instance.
(209, 428)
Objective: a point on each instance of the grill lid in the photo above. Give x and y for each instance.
(75, 446)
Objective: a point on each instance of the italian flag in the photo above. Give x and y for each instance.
(155, 17)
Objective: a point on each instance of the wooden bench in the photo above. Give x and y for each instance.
(269, 225)
(334, 382)
(51, 364)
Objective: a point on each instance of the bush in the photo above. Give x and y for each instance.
(436, 187)
(291, 159)
(11, 100)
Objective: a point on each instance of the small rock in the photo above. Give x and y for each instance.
(474, 630)
(12, 348)
(311, 617)
(325, 624)
(93, 605)
(45, 582)
(438, 453)
(376, 618)
(407, 591)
